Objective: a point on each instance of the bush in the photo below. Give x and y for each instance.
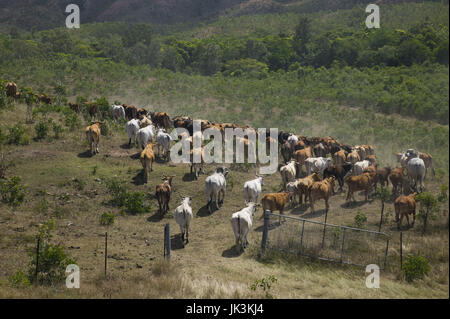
(53, 260)
(17, 135)
(19, 280)
(360, 219)
(42, 129)
(12, 192)
(131, 202)
(57, 130)
(72, 121)
(107, 219)
(415, 267)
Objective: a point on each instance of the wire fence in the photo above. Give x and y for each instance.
(329, 242)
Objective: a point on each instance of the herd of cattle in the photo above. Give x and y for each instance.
(310, 168)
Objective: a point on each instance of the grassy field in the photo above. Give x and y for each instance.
(75, 193)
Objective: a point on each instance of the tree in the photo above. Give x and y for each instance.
(428, 203)
(383, 194)
(302, 36)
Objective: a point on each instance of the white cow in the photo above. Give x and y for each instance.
(132, 128)
(163, 141)
(359, 167)
(252, 190)
(288, 173)
(292, 139)
(183, 216)
(317, 164)
(118, 112)
(241, 222)
(145, 135)
(214, 185)
(416, 172)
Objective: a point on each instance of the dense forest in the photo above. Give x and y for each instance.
(388, 70)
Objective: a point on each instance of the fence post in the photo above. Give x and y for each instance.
(37, 257)
(167, 241)
(342, 246)
(386, 253)
(106, 251)
(401, 250)
(301, 239)
(265, 231)
(324, 227)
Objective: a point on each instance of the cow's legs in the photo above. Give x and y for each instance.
(407, 219)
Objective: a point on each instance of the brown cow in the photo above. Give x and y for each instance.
(130, 111)
(396, 178)
(405, 206)
(301, 156)
(74, 107)
(141, 112)
(92, 108)
(161, 119)
(353, 157)
(44, 98)
(144, 121)
(321, 190)
(372, 159)
(163, 192)
(301, 187)
(147, 158)
(339, 158)
(428, 161)
(275, 201)
(11, 89)
(383, 176)
(358, 183)
(93, 136)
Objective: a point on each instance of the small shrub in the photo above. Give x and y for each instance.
(53, 260)
(72, 121)
(107, 219)
(442, 196)
(41, 129)
(105, 129)
(79, 184)
(19, 280)
(134, 203)
(57, 130)
(415, 267)
(360, 219)
(12, 192)
(17, 135)
(265, 284)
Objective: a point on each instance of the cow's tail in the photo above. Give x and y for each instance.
(239, 229)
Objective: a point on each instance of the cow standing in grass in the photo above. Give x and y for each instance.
(215, 185)
(183, 216)
(147, 158)
(253, 189)
(405, 206)
(163, 192)
(93, 136)
(242, 222)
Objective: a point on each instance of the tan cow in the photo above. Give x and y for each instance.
(358, 183)
(321, 190)
(275, 201)
(405, 206)
(147, 158)
(93, 136)
(301, 156)
(163, 192)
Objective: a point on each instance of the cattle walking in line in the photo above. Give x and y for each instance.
(163, 192)
(183, 216)
(93, 136)
(242, 222)
(405, 206)
(132, 128)
(253, 190)
(163, 140)
(321, 190)
(215, 185)
(288, 173)
(147, 157)
(145, 135)
(275, 202)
